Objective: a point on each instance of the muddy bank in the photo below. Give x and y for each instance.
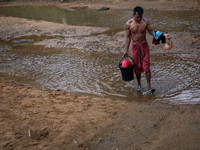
(40, 119)
(81, 37)
(33, 118)
(113, 4)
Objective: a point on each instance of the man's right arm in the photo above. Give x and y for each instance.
(128, 38)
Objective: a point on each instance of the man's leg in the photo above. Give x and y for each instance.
(138, 76)
(148, 77)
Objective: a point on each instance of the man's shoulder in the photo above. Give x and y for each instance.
(145, 20)
(129, 21)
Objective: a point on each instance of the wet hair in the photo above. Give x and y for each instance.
(139, 10)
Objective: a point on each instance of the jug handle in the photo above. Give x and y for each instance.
(169, 40)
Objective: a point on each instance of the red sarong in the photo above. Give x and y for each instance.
(141, 58)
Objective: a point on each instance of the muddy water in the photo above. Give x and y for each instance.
(176, 78)
(187, 20)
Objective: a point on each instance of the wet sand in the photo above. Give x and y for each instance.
(34, 118)
(44, 119)
(82, 38)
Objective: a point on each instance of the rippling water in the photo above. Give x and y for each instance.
(176, 77)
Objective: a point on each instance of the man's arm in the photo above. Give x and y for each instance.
(128, 38)
(150, 30)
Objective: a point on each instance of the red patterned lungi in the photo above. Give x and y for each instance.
(141, 58)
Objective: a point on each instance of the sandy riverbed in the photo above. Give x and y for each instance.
(33, 118)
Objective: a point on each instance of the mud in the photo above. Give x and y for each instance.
(44, 119)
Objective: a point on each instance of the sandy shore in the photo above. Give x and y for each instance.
(33, 119)
(80, 37)
(37, 119)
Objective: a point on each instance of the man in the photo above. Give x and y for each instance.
(136, 31)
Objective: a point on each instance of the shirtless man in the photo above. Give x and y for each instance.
(136, 31)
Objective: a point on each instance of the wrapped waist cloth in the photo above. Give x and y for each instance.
(141, 58)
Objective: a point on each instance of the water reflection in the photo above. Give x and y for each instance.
(176, 78)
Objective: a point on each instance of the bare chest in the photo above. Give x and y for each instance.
(138, 27)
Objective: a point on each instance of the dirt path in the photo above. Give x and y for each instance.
(33, 119)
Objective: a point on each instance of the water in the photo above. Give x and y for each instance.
(115, 19)
(176, 78)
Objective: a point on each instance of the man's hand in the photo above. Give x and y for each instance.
(167, 36)
(125, 54)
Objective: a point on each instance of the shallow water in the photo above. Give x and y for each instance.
(176, 77)
(115, 19)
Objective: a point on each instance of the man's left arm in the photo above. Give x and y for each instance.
(150, 30)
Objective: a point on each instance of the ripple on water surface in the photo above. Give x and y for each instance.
(175, 77)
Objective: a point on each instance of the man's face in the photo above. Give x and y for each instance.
(137, 17)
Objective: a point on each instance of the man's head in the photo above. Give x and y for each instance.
(137, 13)
(138, 10)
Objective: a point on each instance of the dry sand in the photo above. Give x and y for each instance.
(34, 119)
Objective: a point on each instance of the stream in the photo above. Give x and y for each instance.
(176, 77)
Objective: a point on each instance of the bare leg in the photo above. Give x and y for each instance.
(148, 77)
(138, 76)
